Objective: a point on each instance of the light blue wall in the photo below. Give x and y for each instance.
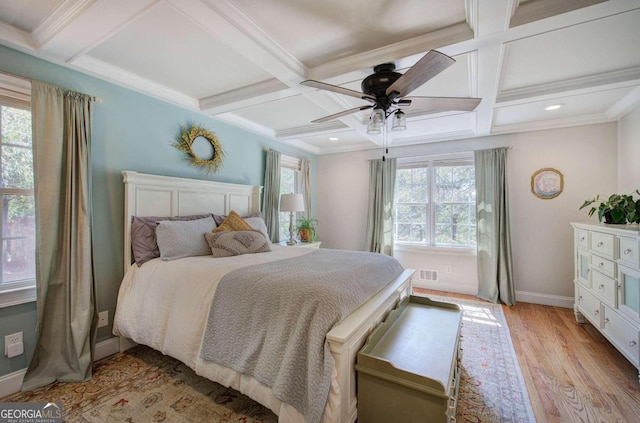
(131, 131)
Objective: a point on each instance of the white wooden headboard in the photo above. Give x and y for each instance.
(154, 195)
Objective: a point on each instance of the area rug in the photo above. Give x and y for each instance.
(492, 387)
(142, 385)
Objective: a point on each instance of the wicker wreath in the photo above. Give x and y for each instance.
(184, 142)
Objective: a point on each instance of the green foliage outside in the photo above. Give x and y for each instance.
(16, 161)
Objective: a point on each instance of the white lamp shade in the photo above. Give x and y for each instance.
(291, 203)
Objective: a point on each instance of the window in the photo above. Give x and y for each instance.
(435, 203)
(290, 183)
(17, 222)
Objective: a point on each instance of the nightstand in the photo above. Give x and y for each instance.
(313, 244)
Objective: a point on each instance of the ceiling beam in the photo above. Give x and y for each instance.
(251, 95)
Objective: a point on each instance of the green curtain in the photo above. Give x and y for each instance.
(66, 302)
(495, 269)
(382, 180)
(271, 202)
(305, 171)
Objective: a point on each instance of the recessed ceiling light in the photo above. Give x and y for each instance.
(334, 139)
(554, 107)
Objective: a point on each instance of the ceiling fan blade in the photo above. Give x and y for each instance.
(342, 113)
(426, 68)
(337, 89)
(444, 104)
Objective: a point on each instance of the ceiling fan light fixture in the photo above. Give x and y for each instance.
(376, 120)
(399, 121)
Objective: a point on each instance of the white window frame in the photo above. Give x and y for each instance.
(295, 164)
(429, 244)
(16, 92)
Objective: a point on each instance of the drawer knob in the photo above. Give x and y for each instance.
(601, 264)
(580, 297)
(601, 286)
(581, 238)
(632, 343)
(606, 320)
(596, 312)
(627, 251)
(600, 244)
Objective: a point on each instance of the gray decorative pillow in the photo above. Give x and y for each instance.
(235, 243)
(258, 224)
(143, 235)
(177, 239)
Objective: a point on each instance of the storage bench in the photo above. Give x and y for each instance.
(409, 367)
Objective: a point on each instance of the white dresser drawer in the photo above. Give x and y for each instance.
(623, 335)
(604, 287)
(608, 267)
(583, 238)
(629, 251)
(589, 305)
(602, 244)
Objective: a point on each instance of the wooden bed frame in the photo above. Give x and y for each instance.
(153, 195)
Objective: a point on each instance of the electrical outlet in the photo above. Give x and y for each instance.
(13, 339)
(448, 269)
(103, 318)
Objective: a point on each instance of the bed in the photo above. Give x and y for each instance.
(154, 311)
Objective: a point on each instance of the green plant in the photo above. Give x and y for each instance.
(306, 227)
(618, 208)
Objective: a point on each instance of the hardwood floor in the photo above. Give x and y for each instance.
(573, 374)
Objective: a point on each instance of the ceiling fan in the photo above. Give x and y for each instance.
(387, 92)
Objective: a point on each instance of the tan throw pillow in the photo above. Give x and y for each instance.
(235, 243)
(233, 222)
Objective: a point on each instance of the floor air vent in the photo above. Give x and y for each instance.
(428, 275)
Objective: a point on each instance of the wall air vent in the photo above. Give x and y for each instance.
(428, 275)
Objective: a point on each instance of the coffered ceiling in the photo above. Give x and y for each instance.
(242, 61)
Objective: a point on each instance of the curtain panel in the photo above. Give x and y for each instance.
(305, 171)
(66, 302)
(495, 269)
(271, 202)
(382, 180)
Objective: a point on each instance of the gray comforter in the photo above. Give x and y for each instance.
(270, 320)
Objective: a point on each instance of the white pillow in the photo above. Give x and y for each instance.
(177, 239)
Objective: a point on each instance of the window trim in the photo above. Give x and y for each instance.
(462, 158)
(16, 92)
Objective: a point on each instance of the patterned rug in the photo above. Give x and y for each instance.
(141, 385)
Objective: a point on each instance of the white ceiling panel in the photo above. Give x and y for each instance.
(593, 48)
(242, 61)
(322, 31)
(167, 48)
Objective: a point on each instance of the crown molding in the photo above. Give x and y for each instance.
(251, 95)
(443, 37)
(132, 81)
(13, 37)
(624, 105)
(301, 145)
(614, 79)
(233, 119)
(63, 15)
(550, 124)
(330, 127)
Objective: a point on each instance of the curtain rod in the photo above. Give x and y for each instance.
(93, 98)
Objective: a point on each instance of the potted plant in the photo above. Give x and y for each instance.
(306, 227)
(618, 208)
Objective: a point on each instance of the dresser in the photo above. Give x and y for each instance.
(409, 367)
(607, 283)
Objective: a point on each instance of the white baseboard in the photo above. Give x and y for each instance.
(458, 288)
(523, 296)
(106, 348)
(544, 299)
(11, 383)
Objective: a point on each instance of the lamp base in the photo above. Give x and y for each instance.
(292, 240)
